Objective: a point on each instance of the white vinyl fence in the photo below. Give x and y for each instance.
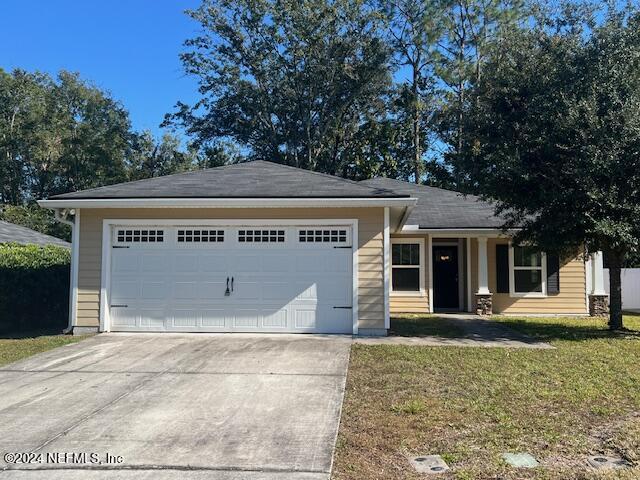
(630, 287)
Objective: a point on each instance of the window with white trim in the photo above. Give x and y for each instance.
(527, 271)
(136, 235)
(261, 236)
(407, 268)
(200, 236)
(322, 236)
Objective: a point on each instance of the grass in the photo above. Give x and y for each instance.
(422, 326)
(17, 347)
(472, 404)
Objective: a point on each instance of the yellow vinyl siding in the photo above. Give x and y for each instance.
(403, 303)
(370, 250)
(570, 300)
(406, 304)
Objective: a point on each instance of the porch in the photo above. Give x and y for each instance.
(481, 272)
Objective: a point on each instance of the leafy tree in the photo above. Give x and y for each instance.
(414, 27)
(286, 80)
(154, 159)
(472, 30)
(35, 218)
(554, 137)
(58, 136)
(21, 112)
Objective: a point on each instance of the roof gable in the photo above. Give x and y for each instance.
(257, 179)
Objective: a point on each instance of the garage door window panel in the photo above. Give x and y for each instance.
(139, 235)
(333, 236)
(200, 236)
(261, 236)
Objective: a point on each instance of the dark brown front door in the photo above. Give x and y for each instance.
(445, 277)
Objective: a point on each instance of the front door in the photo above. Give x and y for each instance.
(445, 277)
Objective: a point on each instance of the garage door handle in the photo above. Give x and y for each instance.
(346, 308)
(340, 247)
(121, 306)
(226, 292)
(232, 284)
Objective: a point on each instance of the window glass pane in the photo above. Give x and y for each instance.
(396, 252)
(527, 281)
(405, 279)
(405, 254)
(526, 257)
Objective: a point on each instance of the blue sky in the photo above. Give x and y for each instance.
(129, 48)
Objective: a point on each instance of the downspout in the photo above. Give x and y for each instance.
(62, 216)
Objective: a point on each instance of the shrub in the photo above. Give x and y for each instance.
(34, 287)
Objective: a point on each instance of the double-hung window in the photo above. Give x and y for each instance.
(407, 266)
(527, 271)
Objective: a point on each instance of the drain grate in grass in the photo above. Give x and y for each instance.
(602, 462)
(429, 464)
(520, 460)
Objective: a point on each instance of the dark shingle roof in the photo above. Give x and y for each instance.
(258, 179)
(10, 232)
(439, 208)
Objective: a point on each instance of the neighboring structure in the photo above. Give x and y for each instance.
(630, 287)
(264, 247)
(12, 233)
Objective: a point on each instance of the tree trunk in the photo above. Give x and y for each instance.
(417, 153)
(615, 291)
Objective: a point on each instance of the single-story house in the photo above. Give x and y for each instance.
(262, 247)
(12, 233)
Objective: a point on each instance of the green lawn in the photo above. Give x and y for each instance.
(471, 404)
(25, 345)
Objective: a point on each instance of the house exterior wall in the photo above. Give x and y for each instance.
(570, 300)
(411, 303)
(370, 250)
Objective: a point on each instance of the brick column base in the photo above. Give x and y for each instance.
(484, 304)
(598, 305)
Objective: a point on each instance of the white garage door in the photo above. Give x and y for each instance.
(231, 278)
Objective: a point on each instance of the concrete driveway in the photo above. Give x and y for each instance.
(167, 406)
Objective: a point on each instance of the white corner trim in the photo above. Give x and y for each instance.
(355, 251)
(469, 292)
(460, 275)
(105, 276)
(228, 202)
(109, 223)
(73, 280)
(512, 268)
(430, 251)
(386, 268)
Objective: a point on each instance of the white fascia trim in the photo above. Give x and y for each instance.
(228, 202)
(457, 232)
(107, 225)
